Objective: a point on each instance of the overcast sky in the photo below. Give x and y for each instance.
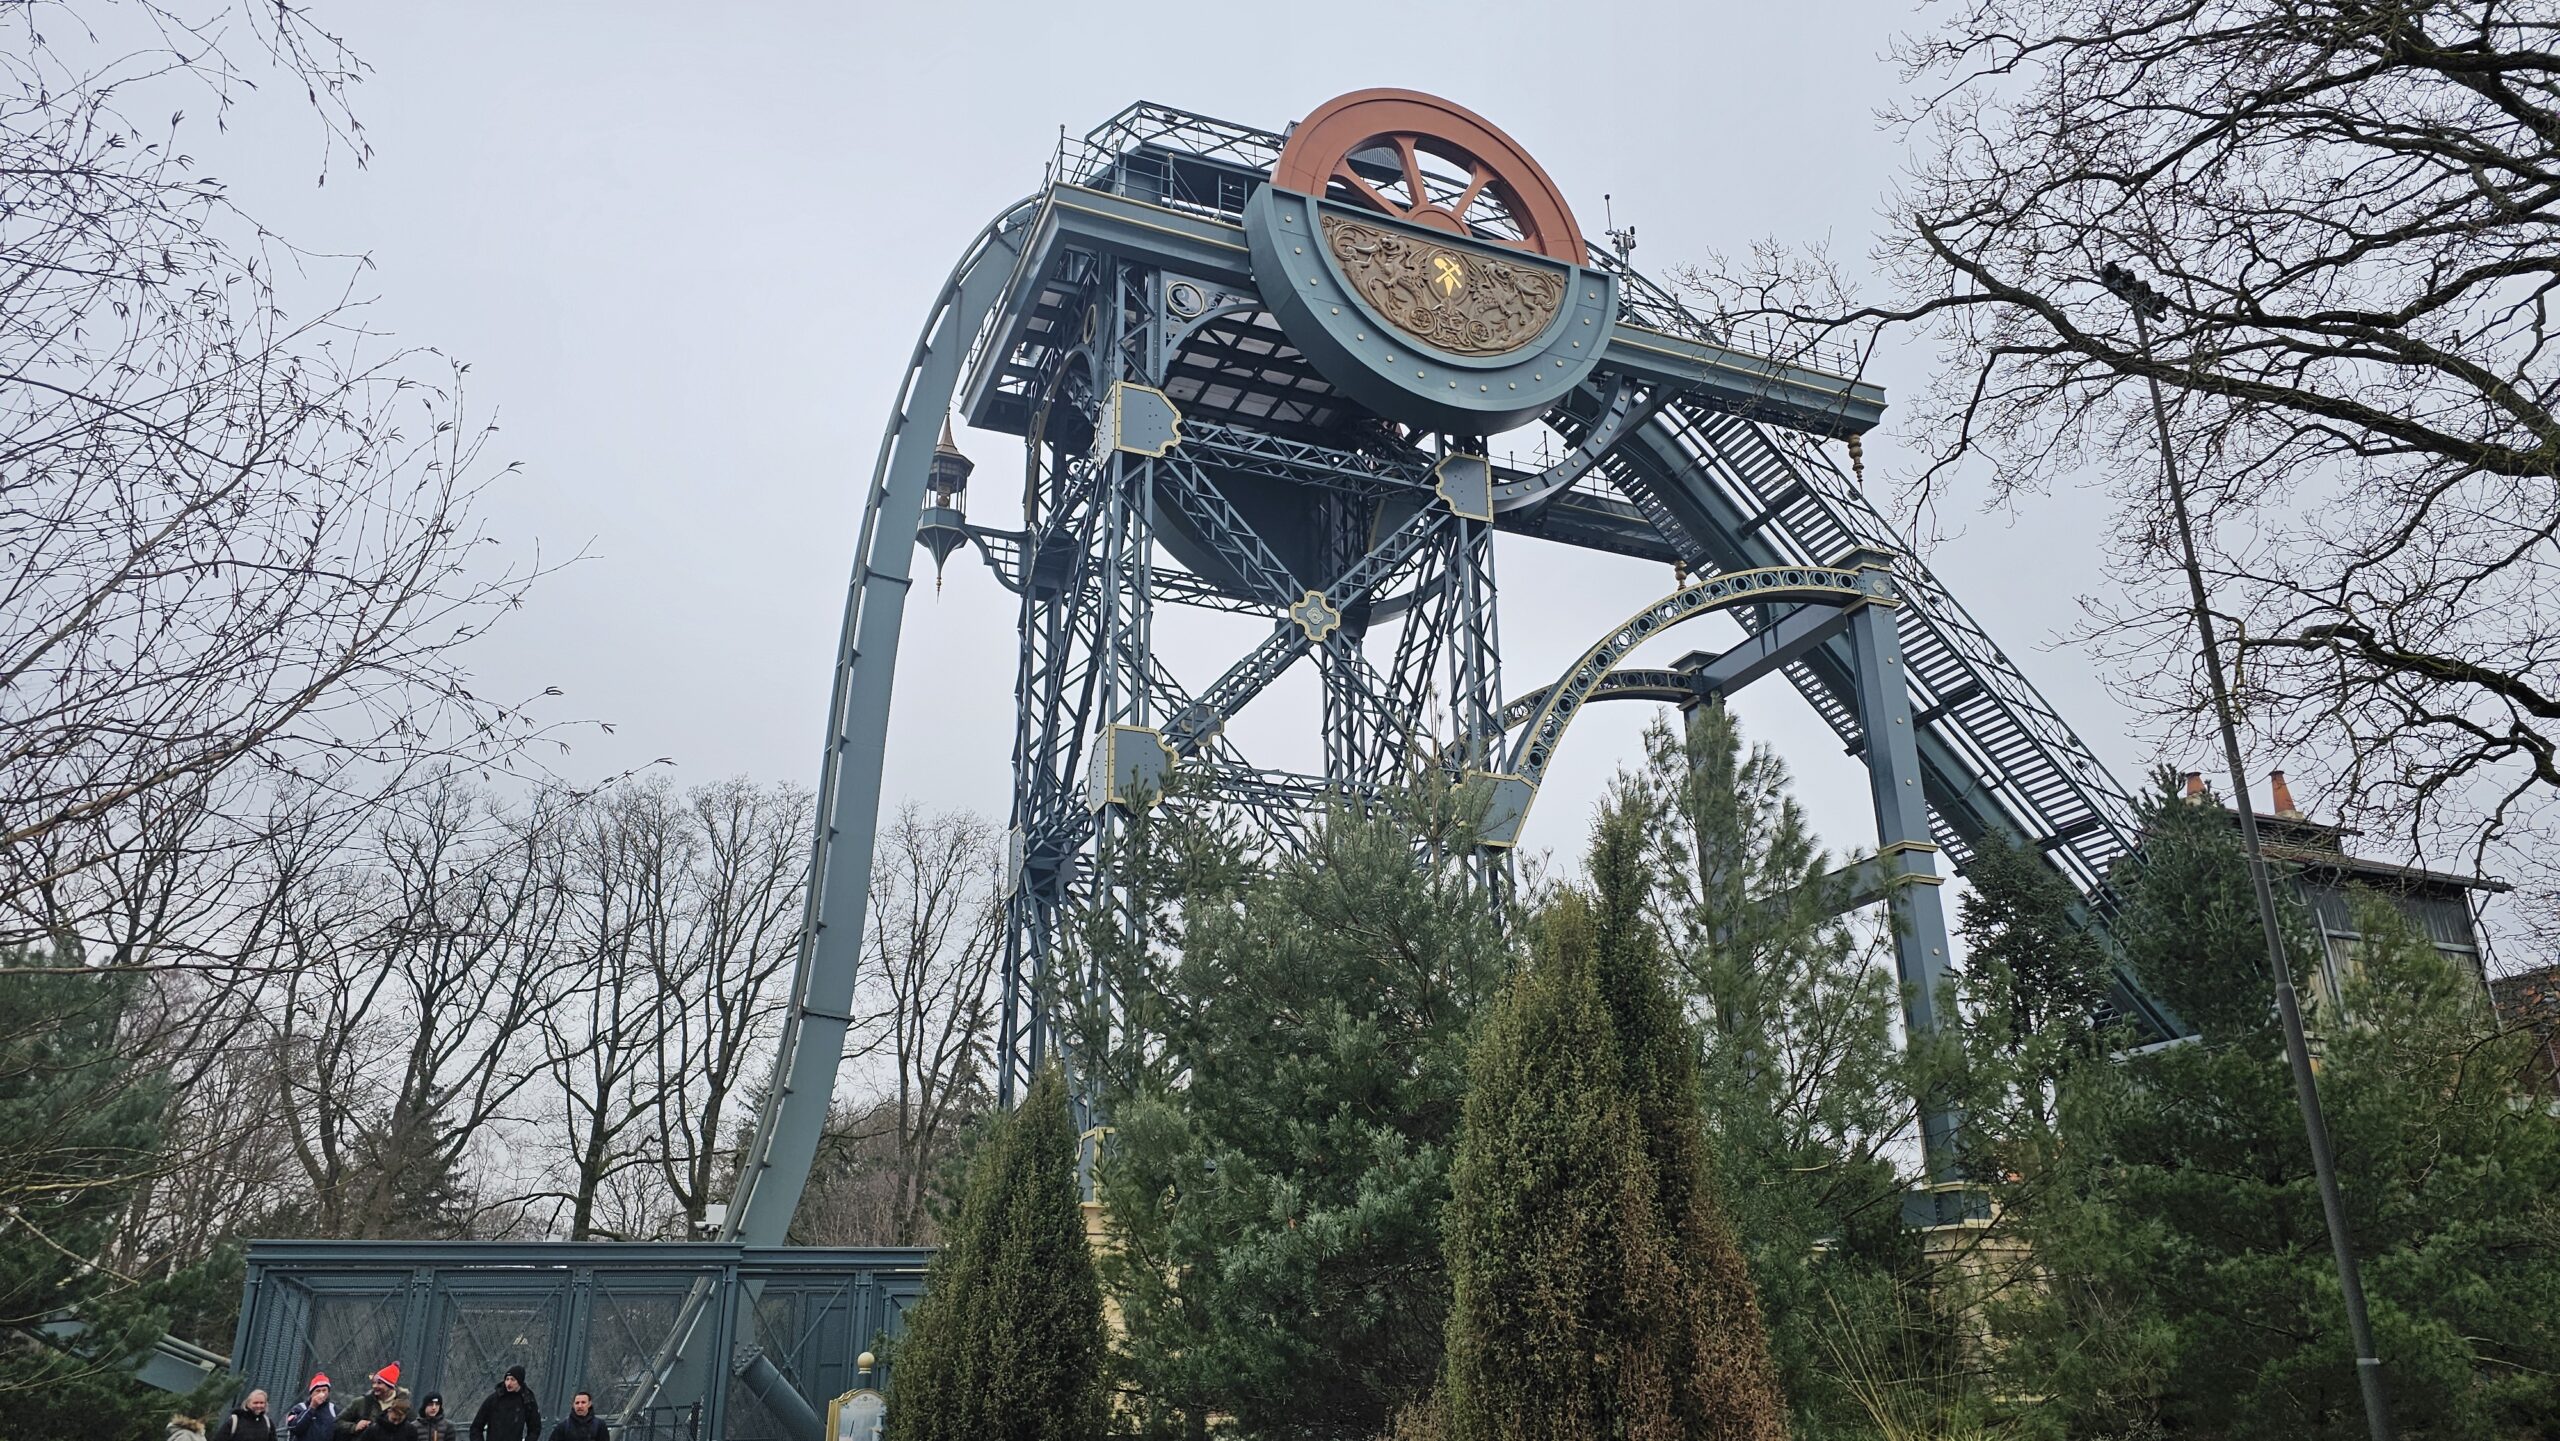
(686, 249)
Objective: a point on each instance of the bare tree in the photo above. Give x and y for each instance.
(858, 1190)
(221, 1174)
(724, 988)
(237, 545)
(404, 976)
(321, 1056)
(479, 900)
(478, 1008)
(2354, 210)
(603, 1032)
(925, 1014)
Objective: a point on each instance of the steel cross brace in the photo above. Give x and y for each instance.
(1003, 552)
(1261, 666)
(1201, 502)
(1225, 528)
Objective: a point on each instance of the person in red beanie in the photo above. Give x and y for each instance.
(314, 1417)
(361, 1417)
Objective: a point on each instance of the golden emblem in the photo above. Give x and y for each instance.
(1466, 304)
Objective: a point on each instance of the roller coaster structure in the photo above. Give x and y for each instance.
(1255, 372)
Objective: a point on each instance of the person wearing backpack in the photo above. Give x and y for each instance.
(248, 1421)
(313, 1418)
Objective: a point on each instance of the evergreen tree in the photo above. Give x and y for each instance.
(2457, 1174)
(2028, 932)
(1804, 1089)
(1597, 1290)
(1553, 1241)
(1007, 1344)
(2186, 1284)
(81, 1121)
(2035, 971)
(1125, 944)
(1275, 1202)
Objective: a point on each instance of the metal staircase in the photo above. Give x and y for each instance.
(1998, 760)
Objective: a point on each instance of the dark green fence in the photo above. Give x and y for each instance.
(704, 1341)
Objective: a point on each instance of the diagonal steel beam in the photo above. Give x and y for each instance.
(1199, 500)
(1250, 676)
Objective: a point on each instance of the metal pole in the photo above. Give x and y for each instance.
(2146, 303)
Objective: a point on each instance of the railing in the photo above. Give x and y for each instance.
(576, 1314)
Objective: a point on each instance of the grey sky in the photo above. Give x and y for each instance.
(686, 249)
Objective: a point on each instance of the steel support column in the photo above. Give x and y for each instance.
(1904, 852)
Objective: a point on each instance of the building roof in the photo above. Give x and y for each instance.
(2534, 994)
(2286, 834)
(2366, 869)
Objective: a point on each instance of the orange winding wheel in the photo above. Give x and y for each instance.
(1370, 148)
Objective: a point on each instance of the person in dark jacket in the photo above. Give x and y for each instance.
(395, 1423)
(247, 1421)
(430, 1418)
(314, 1418)
(365, 1413)
(510, 1413)
(582, 1423)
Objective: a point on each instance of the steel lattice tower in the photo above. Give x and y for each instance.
(1256, 374)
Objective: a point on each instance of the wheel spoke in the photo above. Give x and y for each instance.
(1466, 186)
(1412, 172)
(1476, 182)
(1343, 172)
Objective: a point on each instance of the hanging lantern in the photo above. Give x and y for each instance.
(944, 525)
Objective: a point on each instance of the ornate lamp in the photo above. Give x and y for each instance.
(944, 525)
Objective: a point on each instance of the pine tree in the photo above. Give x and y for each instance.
(1596, 1289)
(1275, 1205)
(81, 1133)
(2026, 926)
(1804, 1089)
(2187, 1285)
(2034, 974)
(1007, 1344)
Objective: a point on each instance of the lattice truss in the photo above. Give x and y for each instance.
(1386, 596)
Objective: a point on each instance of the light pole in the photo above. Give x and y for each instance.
(2149, 305)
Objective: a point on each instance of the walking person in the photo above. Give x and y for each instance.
(510, 1413)
(185, 1428)
(315, 1416)
(248, 1421)
(582, 1423)
(432, 1425)
(360, 1418)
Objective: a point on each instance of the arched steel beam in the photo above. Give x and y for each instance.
(813, 1034)
(1860, 596)
(1624, 405)
(1812, 590)
(1670, 687)
(1700, 676)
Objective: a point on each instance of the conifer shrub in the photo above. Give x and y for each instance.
(1596, 1289)
(1007, 1343)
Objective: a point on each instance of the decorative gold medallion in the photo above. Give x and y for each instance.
(1315, 615)
(1464, 304)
